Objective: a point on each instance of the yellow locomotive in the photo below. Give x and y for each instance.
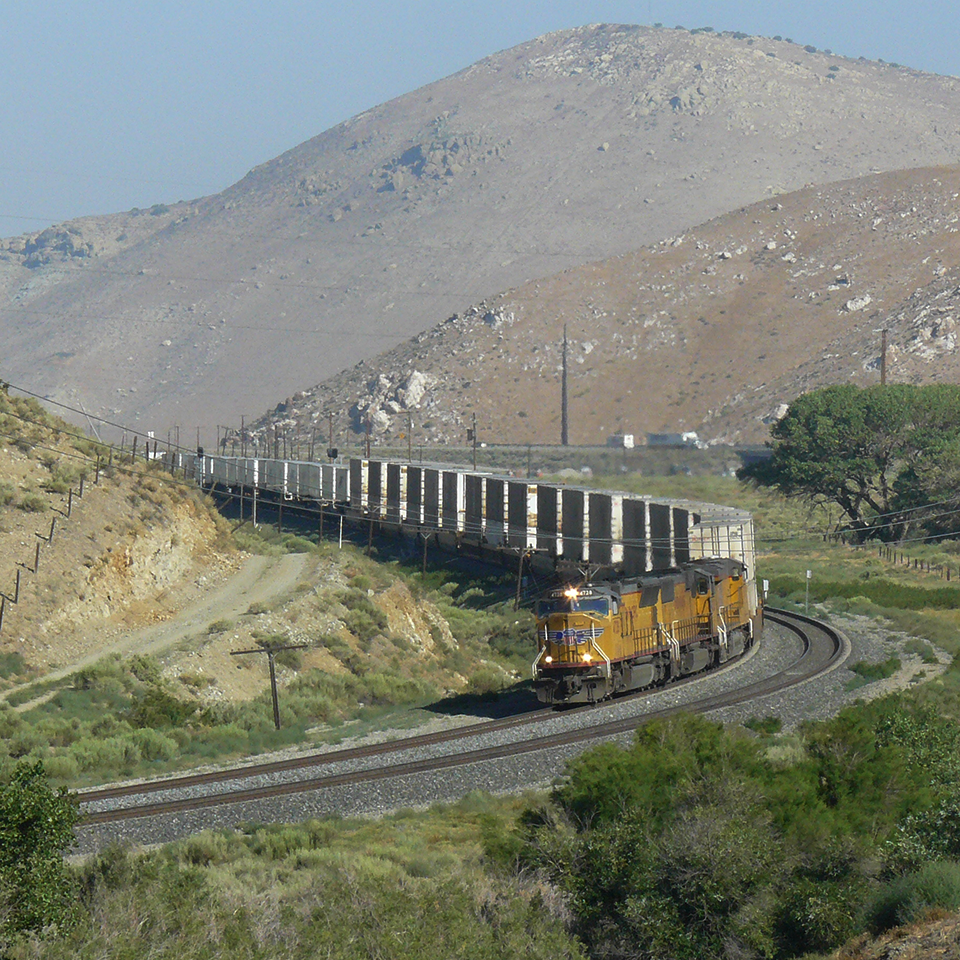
(603, 638)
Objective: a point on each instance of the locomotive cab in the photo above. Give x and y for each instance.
(599, 639)
(574, 625)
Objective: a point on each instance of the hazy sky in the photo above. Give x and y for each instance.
(116, 104)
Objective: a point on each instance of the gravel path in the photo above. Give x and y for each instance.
(260, 579)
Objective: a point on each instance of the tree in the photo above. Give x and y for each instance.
(888, 456)
(36, 827)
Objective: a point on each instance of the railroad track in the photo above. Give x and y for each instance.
(820, 649)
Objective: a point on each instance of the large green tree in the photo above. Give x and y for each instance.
(36, 827)
(888, 456)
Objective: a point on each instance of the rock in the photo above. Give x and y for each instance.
(858, 303)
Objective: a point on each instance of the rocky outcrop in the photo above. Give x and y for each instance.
(388, 397)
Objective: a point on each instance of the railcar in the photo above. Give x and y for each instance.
(598, 639)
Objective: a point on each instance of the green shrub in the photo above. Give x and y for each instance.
(145, 668)
(768, 724)
(156, 707)
(871, 672)
(364, 619)
(907, 898)
(291, 659)
(12, 664)
(32, 503)
(61, 480)
(153, 745)
(62, 768)
(922, 649)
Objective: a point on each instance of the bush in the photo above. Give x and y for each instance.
(12, 664)
(153, 745)
(32, 503)
(908, 898)
(768, 724)
(36, 827)
(8, 493)
(145, 668)
(157, 708)
(871, 672)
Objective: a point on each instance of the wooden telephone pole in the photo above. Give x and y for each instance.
(271, 652)
(564, 432)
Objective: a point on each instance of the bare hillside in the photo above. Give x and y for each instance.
(572, 148)
(713, 330)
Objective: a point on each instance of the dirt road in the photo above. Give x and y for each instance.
(259, 580)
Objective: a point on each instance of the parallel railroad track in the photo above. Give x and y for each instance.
(822, 649)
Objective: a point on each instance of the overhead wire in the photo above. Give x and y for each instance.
(652, 542)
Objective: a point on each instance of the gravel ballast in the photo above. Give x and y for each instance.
(816, 699)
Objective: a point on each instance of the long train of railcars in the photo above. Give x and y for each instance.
(656, 588)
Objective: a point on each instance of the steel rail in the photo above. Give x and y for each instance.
(816, 658)
(303, 761)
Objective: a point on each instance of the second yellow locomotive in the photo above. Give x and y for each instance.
(603, 638)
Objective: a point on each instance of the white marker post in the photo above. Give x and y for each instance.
(806, 606)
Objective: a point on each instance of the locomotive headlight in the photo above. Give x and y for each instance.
(587, 658)
(571, 593)
(548, 659)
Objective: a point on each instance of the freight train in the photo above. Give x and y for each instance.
(666, 586)
(603, 638)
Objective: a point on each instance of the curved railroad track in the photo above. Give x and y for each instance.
(820, 649)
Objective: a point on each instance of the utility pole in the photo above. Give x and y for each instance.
(472, 434)
(368, 437)
(271, 652)
(409, 437)
(564, 433)
(331, 446)
(883, 357)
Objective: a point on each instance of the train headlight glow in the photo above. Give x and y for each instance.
(571, 593)
(587, 658)
(548, 659)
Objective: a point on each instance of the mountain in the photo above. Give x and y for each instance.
(714, 331)
(575, 147)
